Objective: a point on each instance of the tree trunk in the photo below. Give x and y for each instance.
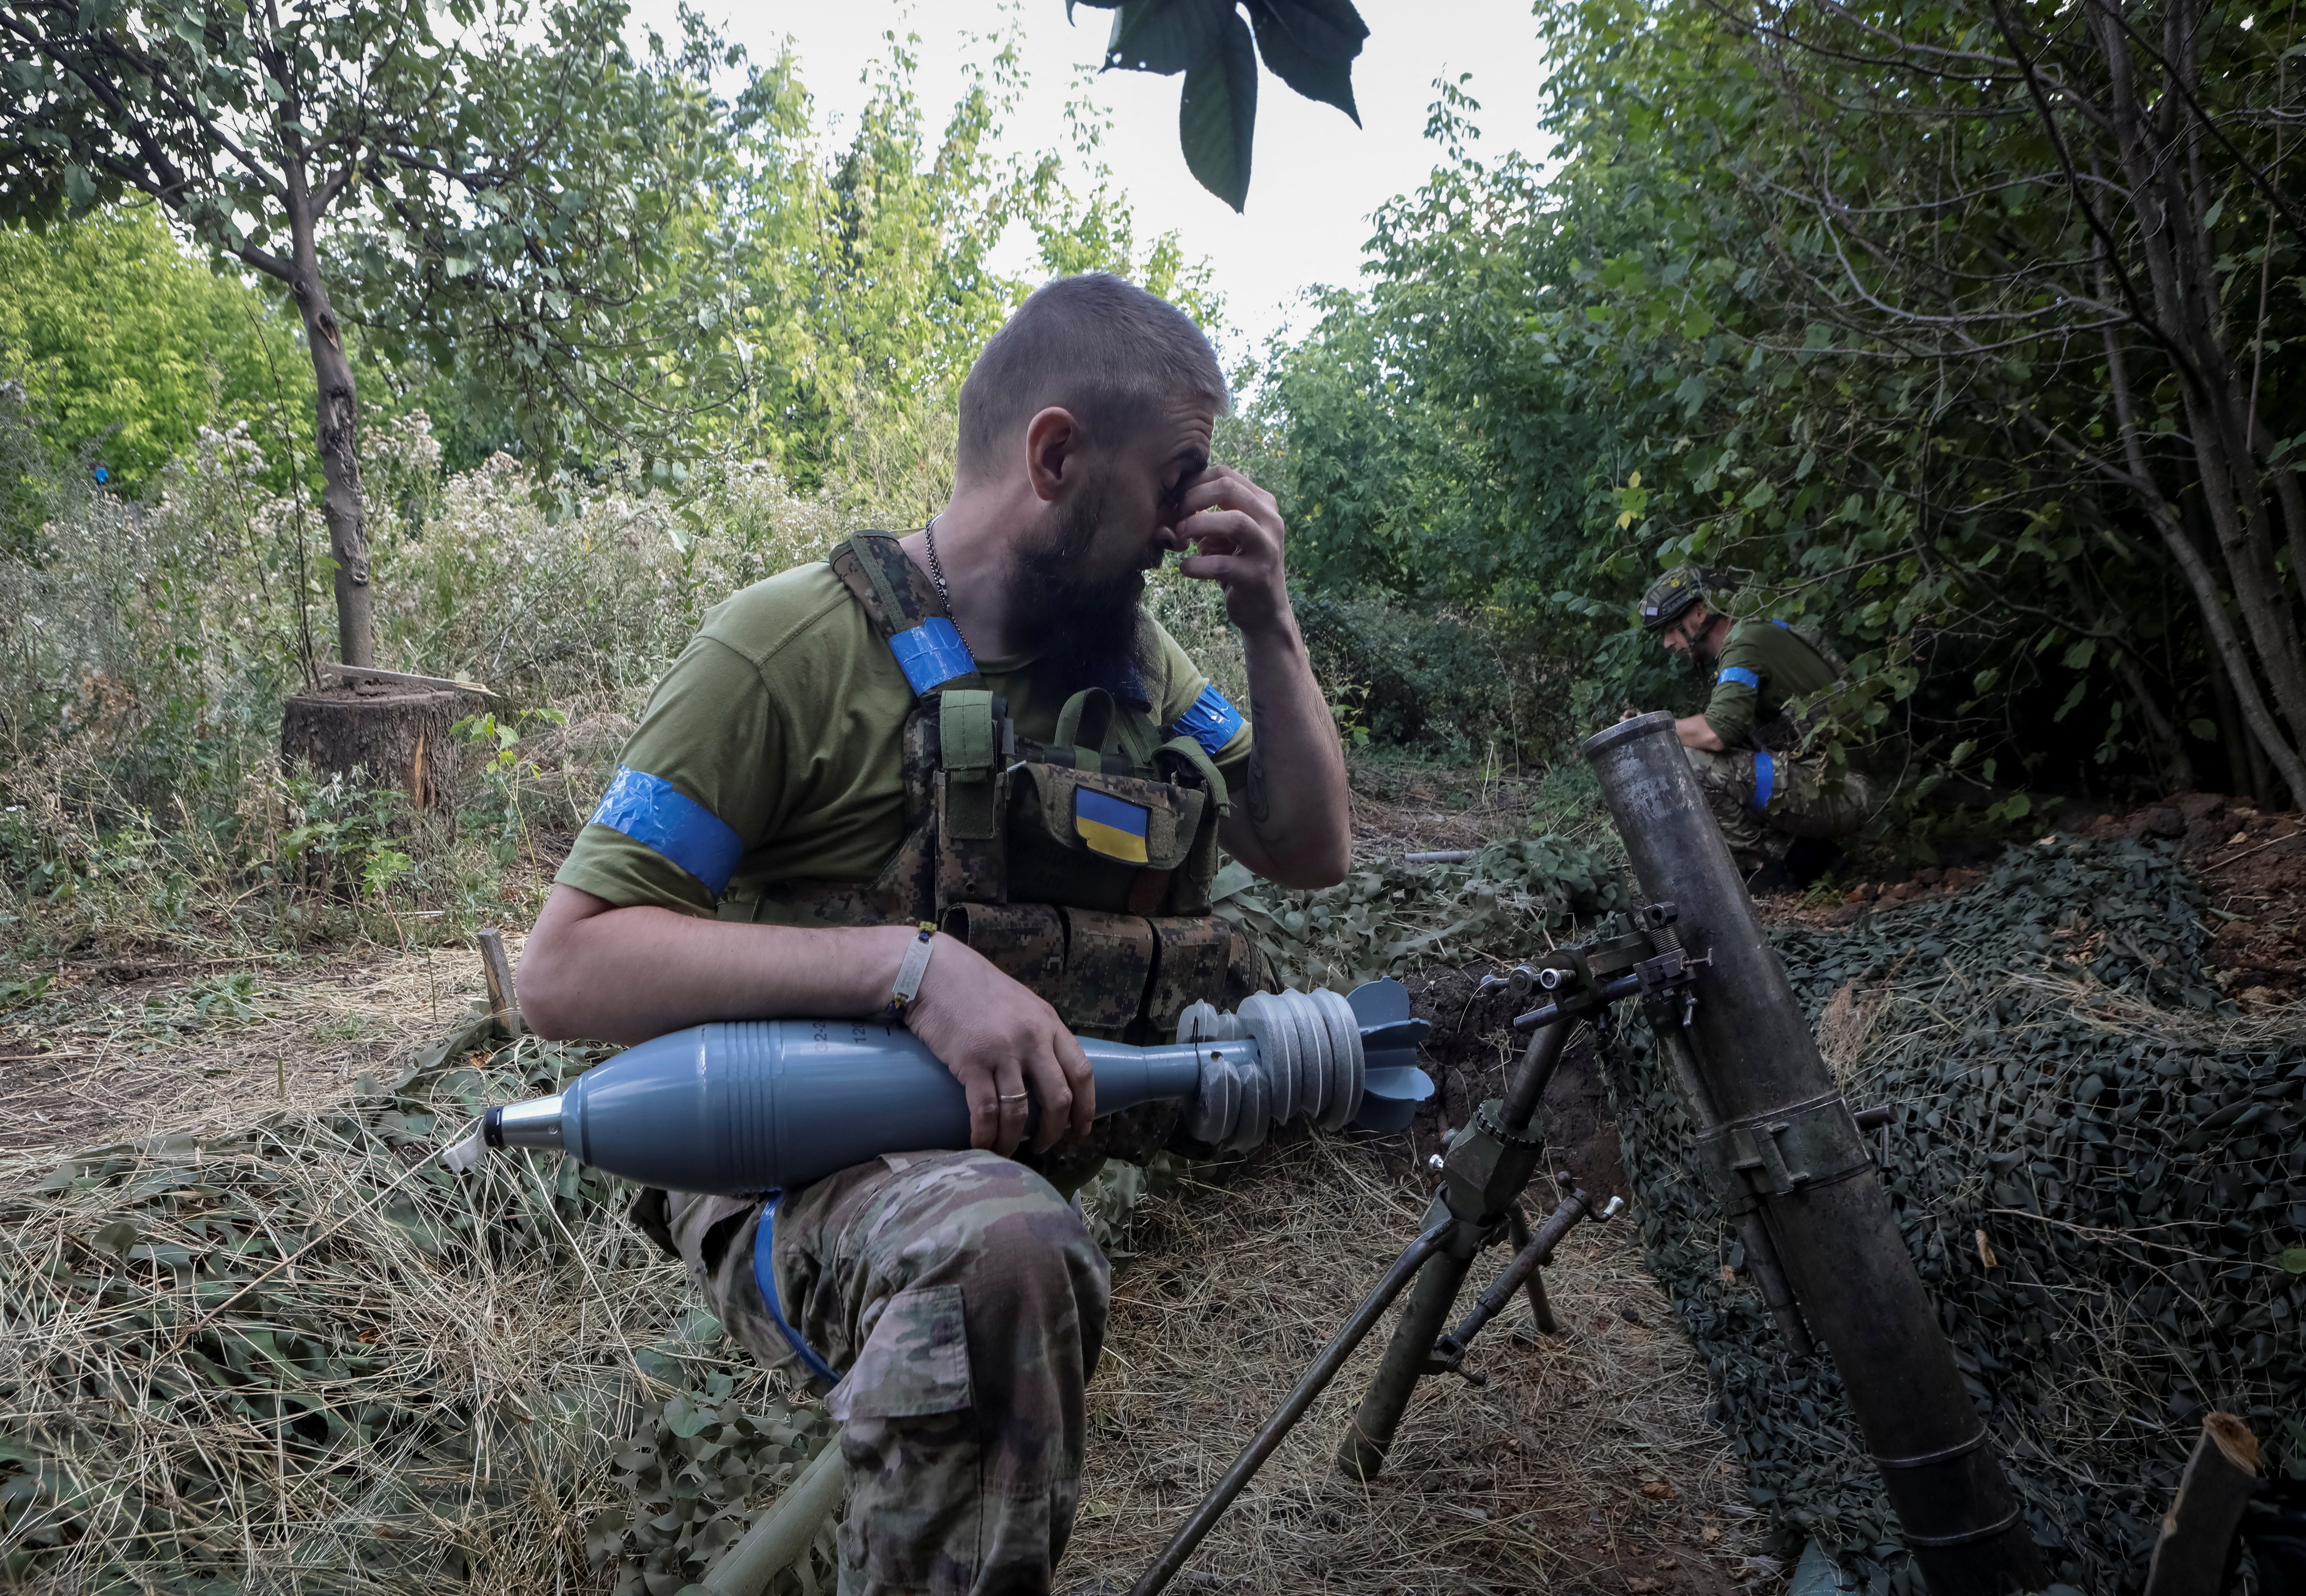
(376, 736)
(337, 434)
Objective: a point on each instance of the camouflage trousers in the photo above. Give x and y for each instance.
(1804, 800)
(963, 1302)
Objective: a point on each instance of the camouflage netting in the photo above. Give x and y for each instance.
(2100, 1173)
(1507, 896)
(304, 1358)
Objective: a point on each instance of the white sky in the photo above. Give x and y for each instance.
(1316, 178)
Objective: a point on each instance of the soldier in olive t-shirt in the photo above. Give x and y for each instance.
(1765, 788)
(1763, 665)
(779, 733)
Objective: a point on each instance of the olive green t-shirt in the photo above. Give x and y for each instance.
(1763, 665)
(772, 750)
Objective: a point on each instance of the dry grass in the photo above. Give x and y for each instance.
(301, 1355)
(1535, 1482)
(100, 1060)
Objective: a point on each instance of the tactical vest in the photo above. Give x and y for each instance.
(1802, 719)
(1081, 867)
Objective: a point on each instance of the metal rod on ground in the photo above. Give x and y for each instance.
(781, 1536)
(1310, 1386)
(504, 1002)
(1786, 1131)
(1447, 855)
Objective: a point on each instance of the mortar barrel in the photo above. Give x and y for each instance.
(1840, 1241)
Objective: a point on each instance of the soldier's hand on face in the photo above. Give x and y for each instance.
(1001, 1041)
(1234, 527)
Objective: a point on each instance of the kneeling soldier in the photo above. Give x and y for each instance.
(1751, 747)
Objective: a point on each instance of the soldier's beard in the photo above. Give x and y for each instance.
(1086, 628)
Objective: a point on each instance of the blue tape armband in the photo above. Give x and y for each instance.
(1209, 721)
(654, 814)
(931, 654)
(1766, 779)
(1741, 676)
(764, 1275)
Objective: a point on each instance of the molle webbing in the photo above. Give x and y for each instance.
(1080, 867)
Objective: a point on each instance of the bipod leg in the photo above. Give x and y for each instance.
(1484, 1170)
(1310, 1385)
(1409, 1353)
(1536, 1251)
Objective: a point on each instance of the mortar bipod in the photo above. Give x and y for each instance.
(1489, 1164)
(1420, 1253)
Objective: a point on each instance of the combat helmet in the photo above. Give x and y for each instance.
(1671, 596)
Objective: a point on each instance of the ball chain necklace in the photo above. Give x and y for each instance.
(945, 594)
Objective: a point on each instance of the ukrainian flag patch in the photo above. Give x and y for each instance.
(1109, 826)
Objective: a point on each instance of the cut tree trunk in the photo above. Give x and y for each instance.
(376, 736)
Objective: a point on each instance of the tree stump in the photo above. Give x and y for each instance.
(394, 736)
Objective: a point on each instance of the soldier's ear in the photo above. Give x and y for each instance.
(1052, 451)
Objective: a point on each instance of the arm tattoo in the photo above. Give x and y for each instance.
(1258, 798)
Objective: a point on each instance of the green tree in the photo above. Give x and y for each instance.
(1991, 377)
(126, 346)
(2006, 292)
(515, 156)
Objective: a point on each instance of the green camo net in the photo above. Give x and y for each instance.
(2064, 1081)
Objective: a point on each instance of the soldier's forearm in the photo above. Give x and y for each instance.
(625, 975)
(1697, 732)
(1291, 823)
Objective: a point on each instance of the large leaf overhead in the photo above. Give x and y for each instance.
(1216, 119)
(1167, 36)
(1308, 44)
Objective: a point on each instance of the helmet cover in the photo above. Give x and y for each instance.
(1671, 597)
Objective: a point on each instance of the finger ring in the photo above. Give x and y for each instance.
(1015, 1096)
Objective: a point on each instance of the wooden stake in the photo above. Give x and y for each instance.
(504, 1002)
(2198, 1532)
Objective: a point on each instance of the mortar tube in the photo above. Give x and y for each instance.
(1838, 1238)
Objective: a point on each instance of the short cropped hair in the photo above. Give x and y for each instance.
(1096, 344)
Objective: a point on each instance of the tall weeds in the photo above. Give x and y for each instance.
(145, 651)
